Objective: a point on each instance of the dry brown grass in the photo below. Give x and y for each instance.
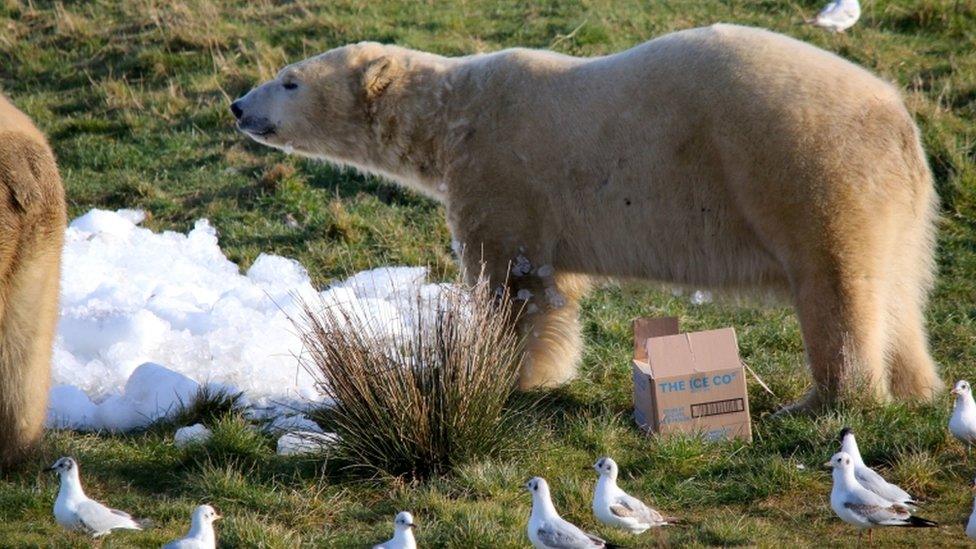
(422, 400)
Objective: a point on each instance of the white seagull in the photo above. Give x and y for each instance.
(614, 507)
(858, 506)
(962, 424)
(201, 534)
(402, 533)
(867, 477)
(838, 15)
(971, 525)
(547, 530)
(75, 512)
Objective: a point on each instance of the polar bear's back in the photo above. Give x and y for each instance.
(724, 130)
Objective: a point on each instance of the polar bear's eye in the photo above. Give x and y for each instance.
(289, 85)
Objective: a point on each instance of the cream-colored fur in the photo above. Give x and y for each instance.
(32, 221)
(724, 156)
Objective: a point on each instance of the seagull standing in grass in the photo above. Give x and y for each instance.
(867, 477)
(971, 525)
(547, 530)
(75, 512)
(614, 507)
(838, 15)
(201, 534)
(862, 508)
(402, 533)
(962, 424)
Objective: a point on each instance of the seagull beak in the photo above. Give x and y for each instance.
(954, 392)
(218, 517)
(48, 469)
(828, 464)
(411, 525)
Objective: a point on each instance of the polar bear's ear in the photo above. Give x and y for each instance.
(378, 76)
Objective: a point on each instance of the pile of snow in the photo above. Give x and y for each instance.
(192, 434)
(130, 296)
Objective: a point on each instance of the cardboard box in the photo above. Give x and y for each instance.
(693, 382)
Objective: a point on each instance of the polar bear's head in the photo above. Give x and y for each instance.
(320, 107)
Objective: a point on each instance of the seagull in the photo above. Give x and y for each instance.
(868, 478)
(962, 424)
(614, 507)
(547, 530)
(75, 512)
(858, 506)
(201, 534)
(402, 533)
(971, 525)
(837, 16)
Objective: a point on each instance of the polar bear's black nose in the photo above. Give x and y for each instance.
(236, 109)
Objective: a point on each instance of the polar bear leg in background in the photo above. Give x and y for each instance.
(32, 223)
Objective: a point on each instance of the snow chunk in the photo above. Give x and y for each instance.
(305, 442)
(522, 266)
(299, 422)
(701, 297)
(382, 283)
(152, 392)
(104, 222)
(555, 299)
(69, 408)
(193, 434)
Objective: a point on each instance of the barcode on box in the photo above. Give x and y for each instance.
(718, 407)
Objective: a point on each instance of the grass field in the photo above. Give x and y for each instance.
(134, 95)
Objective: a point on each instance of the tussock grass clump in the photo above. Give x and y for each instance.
(423, 397)
(209, 406)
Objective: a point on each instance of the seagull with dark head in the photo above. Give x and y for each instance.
(76, 512)
(866, 476)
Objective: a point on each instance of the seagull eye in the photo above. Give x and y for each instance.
(289, 85)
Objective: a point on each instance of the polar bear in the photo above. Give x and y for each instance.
(32, 223)
(725, 156)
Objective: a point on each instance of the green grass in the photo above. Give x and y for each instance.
(134, 96)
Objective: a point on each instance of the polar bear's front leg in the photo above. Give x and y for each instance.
(552, 332)
(549, 304)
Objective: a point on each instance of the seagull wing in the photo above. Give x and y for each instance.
(99, 519)
(877, 510)
(563, 535)
(628, 506)
(829, 9)
(875, 483)
(890, 515)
